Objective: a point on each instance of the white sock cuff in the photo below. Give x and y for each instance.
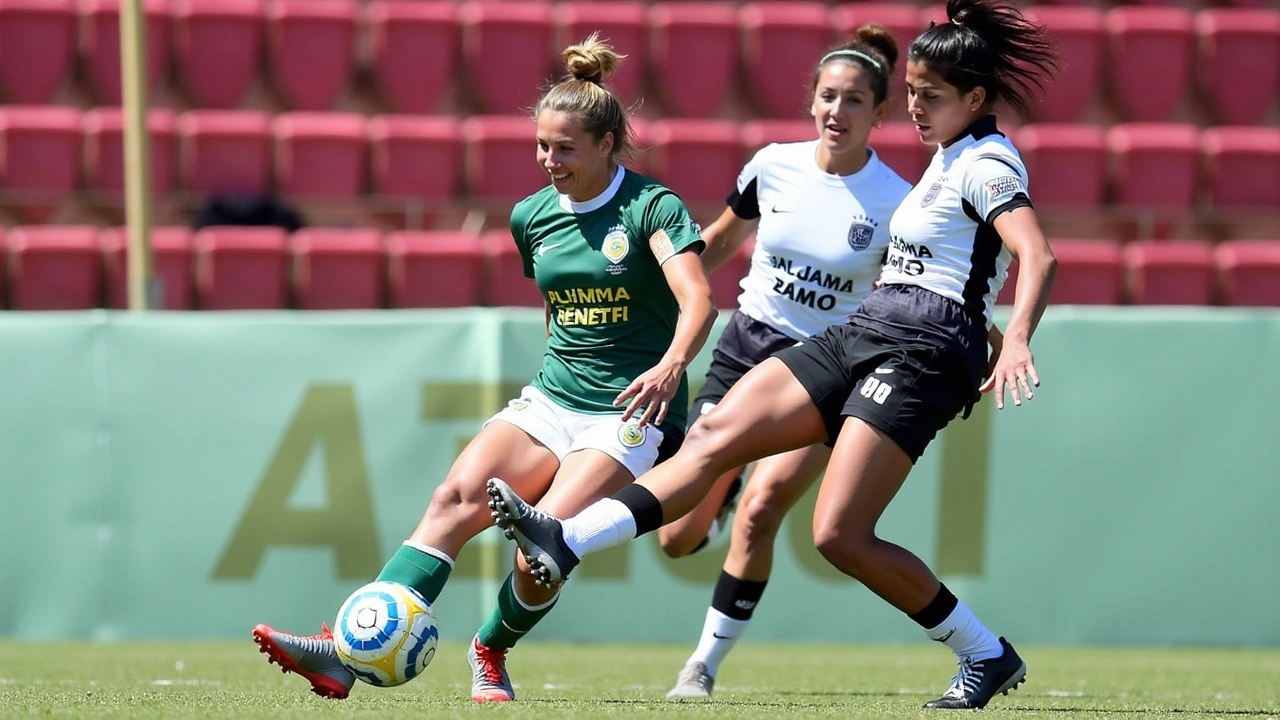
(533, 608)
(433, 552)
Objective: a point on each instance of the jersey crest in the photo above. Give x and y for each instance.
(931, 195)
(616, 245)
(860, 235)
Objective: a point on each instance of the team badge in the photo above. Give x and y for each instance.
(860, 235)
(631, 435)
(517, 404)
(931, 195)
(616, 245)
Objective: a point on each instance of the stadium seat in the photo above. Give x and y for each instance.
(225, 151)
(1090, 272)
(903, 20)
(172, 260)
(698, 159)
(501, 162)
(320, 155)
(507, 285)
(1006, 294)
(434, 269)
(241, 268)
(641, 136)
(781, 44)
(693, 51)
(724, 281)
(104, 150)
(415, 156)
(1151, 51)
(1242, 166)
(100, 45)
(1238, 62)
(311, 50)
(338, 269)
(1154, 164)
(1164, 272)
(40, 150)
(1081, 39)
(1067, 164)
(622, 23)
(37, 48)
(898, 145)
(406, 38)
(506, 51)
(53, 267)
(756, 134)
(217, 49)
(1249, 272)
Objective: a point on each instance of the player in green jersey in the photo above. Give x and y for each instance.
(615, 255)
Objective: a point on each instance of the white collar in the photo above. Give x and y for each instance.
(596, 202)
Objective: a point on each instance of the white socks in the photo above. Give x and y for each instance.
(966, 635)
(719, 634)
(601, 525)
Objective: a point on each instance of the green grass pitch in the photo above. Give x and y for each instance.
(555, 680)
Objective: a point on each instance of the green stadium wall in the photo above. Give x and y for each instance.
(190, 475)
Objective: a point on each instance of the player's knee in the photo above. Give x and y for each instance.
(759, 517)
(707, 438)
(678, 544)
(847, 550)
(452, 501)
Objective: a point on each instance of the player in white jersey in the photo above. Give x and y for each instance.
(910, 360)
(820, 211)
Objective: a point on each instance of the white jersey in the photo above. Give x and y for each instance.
(943, 239)
(821, 238)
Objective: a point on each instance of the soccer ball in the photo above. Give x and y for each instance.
(385, 633)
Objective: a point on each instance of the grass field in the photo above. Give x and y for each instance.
(231, 680)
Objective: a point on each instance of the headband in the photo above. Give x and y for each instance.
(851, 53)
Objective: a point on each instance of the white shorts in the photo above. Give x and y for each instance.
(564, 431)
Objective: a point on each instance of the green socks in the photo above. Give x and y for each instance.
(511, 619)
(422, 568)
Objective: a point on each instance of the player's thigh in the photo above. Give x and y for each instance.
(780, 480)
(504, 451)
(866, 470)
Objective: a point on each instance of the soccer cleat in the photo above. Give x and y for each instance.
(693, 683)
(980, 680)
(539, 535)
(313, 657)
(489, 679)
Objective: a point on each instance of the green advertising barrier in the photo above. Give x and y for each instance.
(191, 475)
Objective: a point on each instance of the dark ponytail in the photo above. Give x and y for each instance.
(989, 44)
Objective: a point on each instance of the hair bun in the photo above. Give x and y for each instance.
(592, 59)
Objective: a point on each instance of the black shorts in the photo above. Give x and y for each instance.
(745, 343)
(907, 388)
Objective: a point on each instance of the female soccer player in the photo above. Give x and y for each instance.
(820, 210)
(628, 306)
(908, 361)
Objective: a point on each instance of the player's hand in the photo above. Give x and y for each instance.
(653, 391)
(1015, 369)
(995, 339)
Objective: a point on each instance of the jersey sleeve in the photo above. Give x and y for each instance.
(744, 201)
(519, 225)
(668, 228)
(995, 184)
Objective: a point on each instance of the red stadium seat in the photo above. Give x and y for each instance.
(1162, 272)
(37, 48)
(724, 281)
(40, 151)
(104, 150)
(100, 45)
(338, 269)
(781, 44)
(415, 156)
(172, 260)
(225, 151)
(903, 20)
(1007, 290)
(407, 37)
(242, 268)
(311, 46)
(507, 285)
(1242, 166)
(1249, 272)
(898, 145)
(758, 133)
(320, 155)
(1081, 39)
(1238, 62)
(217, 48)
(693, 51)
(1067, 164)
(432, 269)
(506, 50)
(1090, 272)
(698, 159)
(642, 134)
(622, 23)
(4, 273)
(54, 267)
(1152, 50)
(501, 162)
(1154, 164)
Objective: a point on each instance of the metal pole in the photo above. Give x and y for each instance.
(137, 155)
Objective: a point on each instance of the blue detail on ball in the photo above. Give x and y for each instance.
(389, 605)
(428, 639)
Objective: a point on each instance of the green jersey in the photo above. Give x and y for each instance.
(613, 316)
